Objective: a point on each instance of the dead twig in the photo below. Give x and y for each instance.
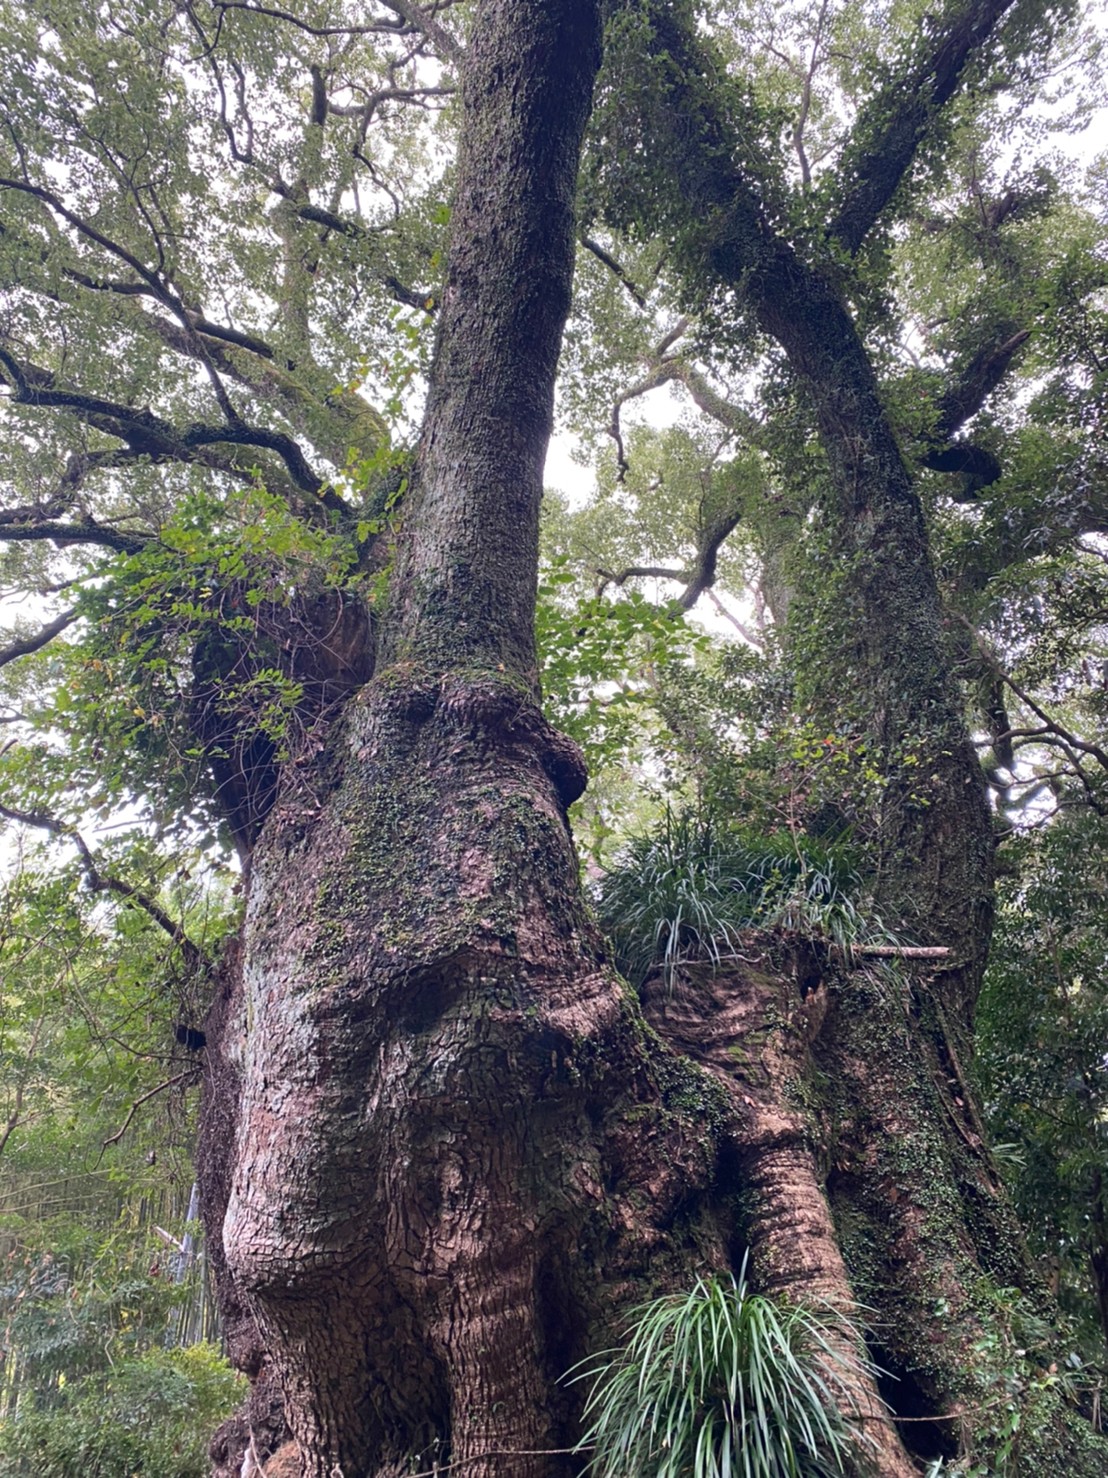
(143, 1098)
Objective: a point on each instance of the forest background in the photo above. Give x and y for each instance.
(223, 237)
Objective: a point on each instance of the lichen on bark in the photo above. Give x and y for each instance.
(447, 1148)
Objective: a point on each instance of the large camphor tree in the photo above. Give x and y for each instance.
(443, 1144)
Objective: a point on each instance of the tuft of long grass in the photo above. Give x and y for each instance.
(686, 891)
(668, 900)
(719, 1383)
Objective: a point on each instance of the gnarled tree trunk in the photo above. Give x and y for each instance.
(442, 1146)
(439, 1141)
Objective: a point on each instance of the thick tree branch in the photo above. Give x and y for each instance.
(616, 268)
(75, 533)
(897, 119)
(705, 397)
(717, 200)
(440, 38)
(638, 572)
(366, 109)
(25, 646)
(149, 434)
(978, 379)
(977, 466)
(703, 573)
(234, 336)
(660, 374)
(274, 441)
(108, 285)
(696, 577)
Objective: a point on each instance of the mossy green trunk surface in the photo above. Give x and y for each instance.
(443, 1147)
(437, 1146)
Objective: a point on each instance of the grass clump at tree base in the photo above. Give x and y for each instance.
(721, 1383)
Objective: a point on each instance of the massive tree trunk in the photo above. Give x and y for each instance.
(439, 1142)
(857, 1077)
(442, 1147)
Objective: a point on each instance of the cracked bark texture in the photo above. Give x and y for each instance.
(442, 1147)
(754, 1029)
(862, 1184)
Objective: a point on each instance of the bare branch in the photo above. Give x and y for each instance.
(1052, 733)
(411, 297)
(23, 647)
(636, 293)
(806, 98)
(86, 228)
(741, 627)
(1051, 728)
(154, 280)
(664, 369)
(901, 951)
(696, 578)
(145, 1098)
(373, 29)
(16, 1115)
(102, 882)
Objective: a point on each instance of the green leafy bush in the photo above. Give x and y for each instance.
(1041, 1064)
(719, 1383)
(152, 1415)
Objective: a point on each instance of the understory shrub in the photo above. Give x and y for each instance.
(151, 1415)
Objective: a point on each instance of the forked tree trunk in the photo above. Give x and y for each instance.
(439, 1143)
(441, 1147)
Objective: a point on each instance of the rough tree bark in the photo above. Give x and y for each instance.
(442, 1146)
(862, 1089)
(439, 1142)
